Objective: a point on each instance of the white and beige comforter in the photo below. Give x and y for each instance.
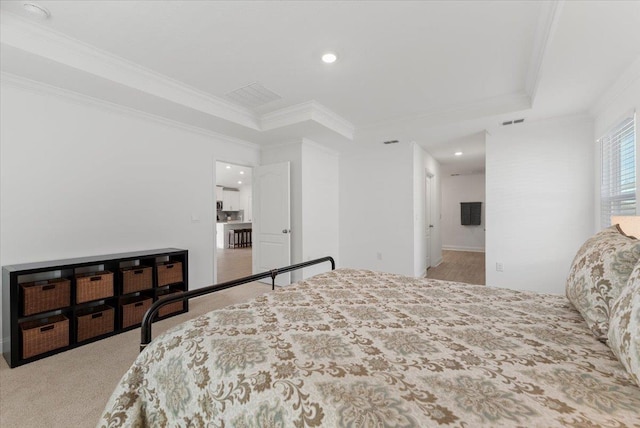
(355, 348)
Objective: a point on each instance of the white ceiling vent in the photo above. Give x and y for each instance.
(512, 122)
(253, 95)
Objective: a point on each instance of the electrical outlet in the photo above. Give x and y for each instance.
(379, 255)
(499, 267)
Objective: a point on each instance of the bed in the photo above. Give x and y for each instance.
(360, 348)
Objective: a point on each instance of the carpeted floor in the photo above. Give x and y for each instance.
(70, 389)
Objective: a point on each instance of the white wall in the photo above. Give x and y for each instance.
(376, 208)
(83, 178)
(314, 201)
(539, 182)
(608, 116)
(462, 188)
(382, 213)
(424, 164)
(320, 205)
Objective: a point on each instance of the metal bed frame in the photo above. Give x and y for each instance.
(153, 310)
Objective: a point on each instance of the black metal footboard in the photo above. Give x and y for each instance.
(153, 310)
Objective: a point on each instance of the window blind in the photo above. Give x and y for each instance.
(618, 172)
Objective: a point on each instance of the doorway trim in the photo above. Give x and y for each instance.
(428, 219)
(213, 204)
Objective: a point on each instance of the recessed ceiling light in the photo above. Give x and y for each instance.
(228, 166)
(241, 172)
(329, 58)
(37, 10)
(458, 153)
(239, 182)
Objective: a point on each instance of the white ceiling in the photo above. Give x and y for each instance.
(438, 73)
(229, 177)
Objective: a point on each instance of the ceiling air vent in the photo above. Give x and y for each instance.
(253, 95)
(512, 122)
(390, 142)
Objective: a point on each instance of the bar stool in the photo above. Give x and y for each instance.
(236, 238)
(231, 238)
(243, 237)
(239, 237)
(246, 237)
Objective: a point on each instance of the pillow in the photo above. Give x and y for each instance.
(624, 326)
(598, 274)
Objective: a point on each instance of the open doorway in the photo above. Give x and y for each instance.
(428, 218)
(463, 232)
(234, 218)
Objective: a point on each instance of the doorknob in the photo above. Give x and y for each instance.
(286, 230)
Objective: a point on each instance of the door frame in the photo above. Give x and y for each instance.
(261, 234)
(428, 218)
(215, 223)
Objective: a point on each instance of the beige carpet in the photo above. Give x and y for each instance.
(70, 389)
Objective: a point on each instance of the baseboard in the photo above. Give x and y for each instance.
(436, 263)
(470, 249)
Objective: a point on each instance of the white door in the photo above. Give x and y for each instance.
(271, 220)
(428, 220)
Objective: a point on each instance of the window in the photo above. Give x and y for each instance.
(618, 177)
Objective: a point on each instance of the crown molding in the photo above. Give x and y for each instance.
(286, 116)
(82, 99)
(310, 110)
(626, 79)
(547, 24)
(453, 113)
(332, 120)
(48, 43)
(549, 120)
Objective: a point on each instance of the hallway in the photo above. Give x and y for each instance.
(460, 266)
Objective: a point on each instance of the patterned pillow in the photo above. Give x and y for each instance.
(624, 326)
(598, 274)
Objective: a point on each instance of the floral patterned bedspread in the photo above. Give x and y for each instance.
(361, 349)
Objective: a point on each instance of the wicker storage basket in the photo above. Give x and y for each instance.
(171, 307)
(96, 321)
(169, 273)
(47, 295)
(94, 286)
(136, 278)
(44, 335)
(133, 310)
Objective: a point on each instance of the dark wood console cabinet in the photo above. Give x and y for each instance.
(50, 307)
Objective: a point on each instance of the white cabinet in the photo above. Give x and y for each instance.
(245, 202)
(219, 194)
(246, 206)
(230, 200)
